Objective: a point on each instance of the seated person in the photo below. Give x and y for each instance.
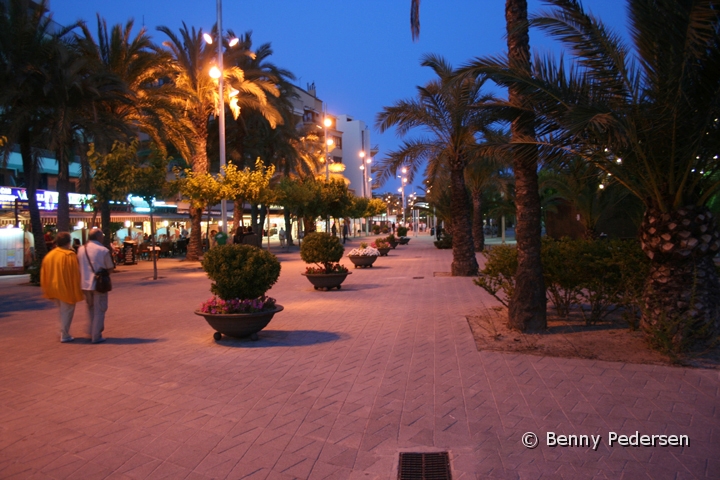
(251, 238)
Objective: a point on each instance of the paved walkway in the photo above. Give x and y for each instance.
(337, 385)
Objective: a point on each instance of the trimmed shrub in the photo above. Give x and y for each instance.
(240, 271)
(376, 229)
(402, 231)
(322, 249)
(602, 274)
(445, 242)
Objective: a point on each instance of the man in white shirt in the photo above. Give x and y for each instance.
(95, 253)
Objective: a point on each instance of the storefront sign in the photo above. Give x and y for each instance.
(46, 199)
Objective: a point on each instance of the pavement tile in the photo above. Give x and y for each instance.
(329, 390)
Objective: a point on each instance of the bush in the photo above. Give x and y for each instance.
(34, 270)
(603, 274)
(444, 243)
(499, 272)
(402, 231)
(322, 249)
(240, 271)
(385, 229)
(376, 229)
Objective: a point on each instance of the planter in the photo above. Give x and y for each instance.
(363, 261)
(328, 281)
(384, 251)
(239, 324)
(393, 244)
(403, 240)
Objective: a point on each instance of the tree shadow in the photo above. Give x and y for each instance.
(352, 287)
(283, 338)
(120, 341)
(25, 304)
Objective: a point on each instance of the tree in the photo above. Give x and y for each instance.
(653, 125)
(153, 106)
(192, 58)
(482, 176)
(26, 43)
(448, 109)
(203, 190)
(150, 182)
(248, 185)
(112, 177)
(527, 311)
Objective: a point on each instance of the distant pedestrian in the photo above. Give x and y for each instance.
(93, 258)
(60, 282)
(346, 231)
(239, 234)
(393, 228)
(281, 236)
(334, 230)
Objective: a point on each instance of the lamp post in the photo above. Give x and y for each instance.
(402, 191)
(326, 123)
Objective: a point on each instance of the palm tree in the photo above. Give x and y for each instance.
(447, 108)
(482, 176)
(647, 114)
(192, 59)
(527, 309)
(30, 44)
(151, 106)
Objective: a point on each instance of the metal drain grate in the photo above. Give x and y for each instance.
(418, 278)
(424, 466)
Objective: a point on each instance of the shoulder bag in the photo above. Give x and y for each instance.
(103, 284)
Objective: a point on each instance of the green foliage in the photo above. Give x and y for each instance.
(322, 249)
(240, 271)
(150, 178)
(250, 185)
(499, 272)
(375, 207)
(113, 172)
(445, 242)
(376, 229)
(34, 270)
(201, 189)
(402, 231)
(598, 276)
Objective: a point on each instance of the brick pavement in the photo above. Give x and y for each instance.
(337, 385)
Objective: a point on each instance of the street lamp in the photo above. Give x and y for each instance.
(402, 191)
(326, 123)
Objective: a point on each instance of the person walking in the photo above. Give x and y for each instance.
(345, 231)
(60, 282)
(281, 236)
(333, 229)
(94, 257)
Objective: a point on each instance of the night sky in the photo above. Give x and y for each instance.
(359, 53)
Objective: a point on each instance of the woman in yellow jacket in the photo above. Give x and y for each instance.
(60, 282)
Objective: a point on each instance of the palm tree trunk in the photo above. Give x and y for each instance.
(31, 184)
(63, 187)
(105, 216)
(238, 213)
(527, 307)
(254, 218)
(682, 292)
(194, 249)
(152, 236)
(477, 226)
(288, 226)
(464, 263)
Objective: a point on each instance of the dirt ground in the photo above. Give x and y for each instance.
(611, 341)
